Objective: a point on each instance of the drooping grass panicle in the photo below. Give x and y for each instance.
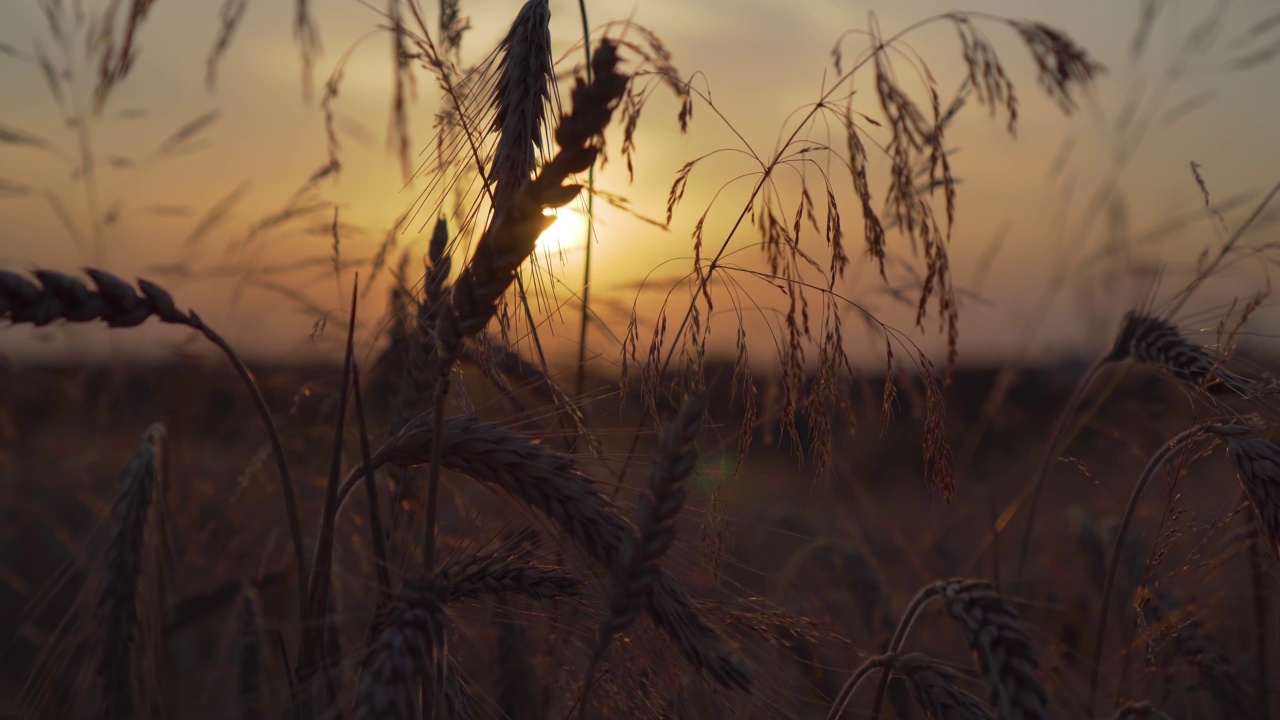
(1063, 66)
(522, 95)
(117, 605)
(1257, 463)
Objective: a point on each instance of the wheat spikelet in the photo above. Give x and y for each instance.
(999, 639)
(412, 635)
(489, 575)
(550, 483)
(1152, 340)
(526, 73)
(1257, 464)
(117, 606)
(934, 689)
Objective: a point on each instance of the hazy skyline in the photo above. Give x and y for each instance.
(1022, 201)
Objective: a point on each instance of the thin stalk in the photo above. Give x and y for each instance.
(433, 483)
(322, 566)
(909, 616)
(1050, 452)
(1261, 605)
(277, 451)
(1155, 463)
(1012, 509)
(371, 493)
(1230, 244)
(846, 692)
(766, 175)
(581, 381)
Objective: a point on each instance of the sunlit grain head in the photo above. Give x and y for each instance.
(569, 231)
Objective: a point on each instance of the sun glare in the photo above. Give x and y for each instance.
(568, 232)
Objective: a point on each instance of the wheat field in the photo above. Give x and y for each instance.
(498, 491)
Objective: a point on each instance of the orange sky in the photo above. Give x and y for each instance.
(760, 60)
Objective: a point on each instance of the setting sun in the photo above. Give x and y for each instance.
(569, 231)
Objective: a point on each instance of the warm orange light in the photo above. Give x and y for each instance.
(568, 232)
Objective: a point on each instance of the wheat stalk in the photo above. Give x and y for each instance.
(546, 481)
(511, 236)
(117, 605)
(641, 557)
